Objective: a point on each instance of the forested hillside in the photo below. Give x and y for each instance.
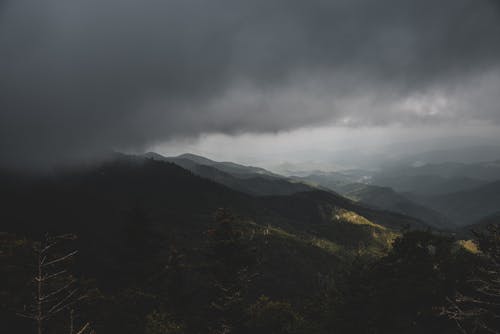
(161, 250)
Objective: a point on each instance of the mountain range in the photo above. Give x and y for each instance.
(163, 233)
(185, 191)
(443, 195)
(468, 206)
(247, 179)
(179, 201)
(446, 195)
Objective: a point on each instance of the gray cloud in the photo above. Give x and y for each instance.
(80, 76)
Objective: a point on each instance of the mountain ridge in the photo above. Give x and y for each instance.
(249, 179)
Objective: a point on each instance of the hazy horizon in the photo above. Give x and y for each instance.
(337, 148)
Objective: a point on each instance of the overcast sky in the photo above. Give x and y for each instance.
(78, 77)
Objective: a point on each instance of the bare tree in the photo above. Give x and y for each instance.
(55, 288)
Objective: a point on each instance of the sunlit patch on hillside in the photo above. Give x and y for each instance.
(469, 245)
(342, 215)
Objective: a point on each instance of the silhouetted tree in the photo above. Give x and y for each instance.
(55, 287)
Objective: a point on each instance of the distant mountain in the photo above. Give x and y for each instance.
(247, 179)
(334, 180)
(444, 195)
(465, 154)
(434, 179)
(418, 178)
(428, 179)
(423, 184)
(387, 199)
(469, 206)
(227, 167)
(96, 201)
(486, 170)
(347, 184)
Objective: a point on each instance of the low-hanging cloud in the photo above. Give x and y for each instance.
(80, 76)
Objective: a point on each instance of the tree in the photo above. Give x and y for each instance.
(477, 310)
(55, 288)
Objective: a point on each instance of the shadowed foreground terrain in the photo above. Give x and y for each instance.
(161, 250)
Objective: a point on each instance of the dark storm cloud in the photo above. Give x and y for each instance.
(79, 76)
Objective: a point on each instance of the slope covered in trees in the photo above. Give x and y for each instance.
(162, 250)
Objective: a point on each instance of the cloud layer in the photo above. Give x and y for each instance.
(80, 76)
